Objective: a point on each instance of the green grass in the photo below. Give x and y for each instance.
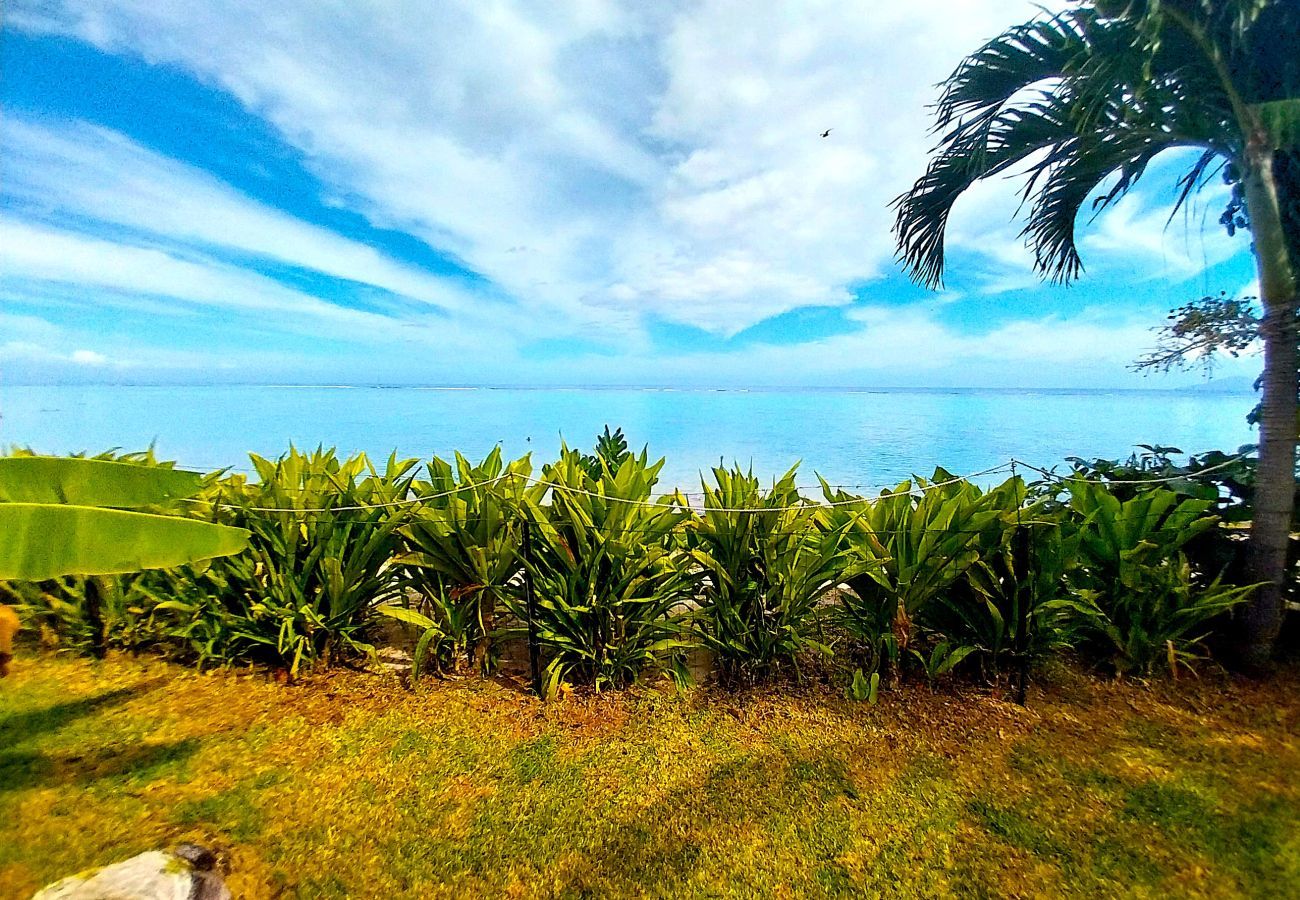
(348, 785)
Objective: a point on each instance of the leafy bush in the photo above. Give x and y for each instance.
(1010, 607)
(1139, 603)
(1231, 485)
(462, 550)
(903, 551)
(324, 533)
(611, 452)
(94, 613)
(609, 581)
(764, 572)
(942, 575)
(58, 611)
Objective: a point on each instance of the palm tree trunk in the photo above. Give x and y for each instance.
(1275, 493)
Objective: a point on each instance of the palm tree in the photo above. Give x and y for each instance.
(1081, 103)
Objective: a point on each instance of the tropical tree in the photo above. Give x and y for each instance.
(1082, 102)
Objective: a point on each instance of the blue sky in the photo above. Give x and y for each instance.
(499, 192)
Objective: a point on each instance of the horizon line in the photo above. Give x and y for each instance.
(1229, 385)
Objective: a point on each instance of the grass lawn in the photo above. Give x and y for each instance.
(348, 785)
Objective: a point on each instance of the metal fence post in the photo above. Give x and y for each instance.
(1023, 549)
(530, 600)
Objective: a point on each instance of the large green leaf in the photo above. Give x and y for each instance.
(41, 541)
(91, 482)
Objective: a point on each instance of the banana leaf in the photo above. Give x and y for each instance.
(41, 541)
(91, 482)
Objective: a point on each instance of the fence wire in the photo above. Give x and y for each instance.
(665, 501)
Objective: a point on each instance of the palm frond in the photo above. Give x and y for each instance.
(1074, 172)
(1075, 102)
(1023, 56)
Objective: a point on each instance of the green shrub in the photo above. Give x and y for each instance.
(1140, 604)
(90, 614)
(902, 553)
(608, 578)
(1229, 479)
(1010, 607)
(317, 566)
(944, 575)
(57, 610)
(764, 573)
(462, 550)
(611, 451)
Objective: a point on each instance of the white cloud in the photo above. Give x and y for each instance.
(1137, 239)
(33, 339)
(36, 345)
(700, 191)
(93, 172)
(88, 358)
(913, 347)
(599, 162)
(110, 268)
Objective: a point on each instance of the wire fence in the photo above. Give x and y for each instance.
(915, 487)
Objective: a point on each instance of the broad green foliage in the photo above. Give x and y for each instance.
(317, 565)
(765, 572)
(46, 540)
(1010, 606)
(462, 548)
(1232, 481)
(862, 688)
(435, 642)
(908, 550)
(1138, 601)
(939, 576)
(63, 516)
(93, 482)
(56, 610)
(608, 578)
(611, 451)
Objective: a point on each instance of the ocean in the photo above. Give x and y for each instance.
(871, 438)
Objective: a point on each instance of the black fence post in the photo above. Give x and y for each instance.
(1027, 601)
(94, 612)
(530, 600)
(1027, 591)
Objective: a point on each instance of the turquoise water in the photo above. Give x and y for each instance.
(851, 437)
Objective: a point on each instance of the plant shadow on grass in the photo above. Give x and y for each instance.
(24, 771)
(19, 728)
(781, 797)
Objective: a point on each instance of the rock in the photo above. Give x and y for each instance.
(200, 858)
(187, 873)
(396, 661)
(9, 626)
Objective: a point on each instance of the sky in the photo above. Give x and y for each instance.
(513, 193)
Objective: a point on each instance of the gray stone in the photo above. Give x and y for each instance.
(187, 873)
(396, 661)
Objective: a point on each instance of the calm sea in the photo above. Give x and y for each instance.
(866, 437)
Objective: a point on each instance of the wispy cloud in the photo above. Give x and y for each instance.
(93, 173)
(712, 201)
(596, 166)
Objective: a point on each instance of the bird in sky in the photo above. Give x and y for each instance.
(826, 133)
